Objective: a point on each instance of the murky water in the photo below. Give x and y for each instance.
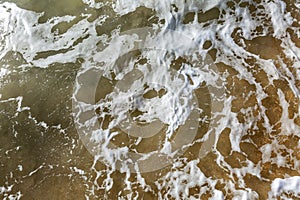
(149, 100)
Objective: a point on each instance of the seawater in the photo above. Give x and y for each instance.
(234, 69)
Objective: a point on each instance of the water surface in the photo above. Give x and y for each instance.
(240, 79)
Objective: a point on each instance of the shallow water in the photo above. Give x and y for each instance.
(149, 100)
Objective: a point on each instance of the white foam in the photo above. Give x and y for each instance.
(288, 185)
(4, 72)
(281, 20)
(21, 32)
(93, 3)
